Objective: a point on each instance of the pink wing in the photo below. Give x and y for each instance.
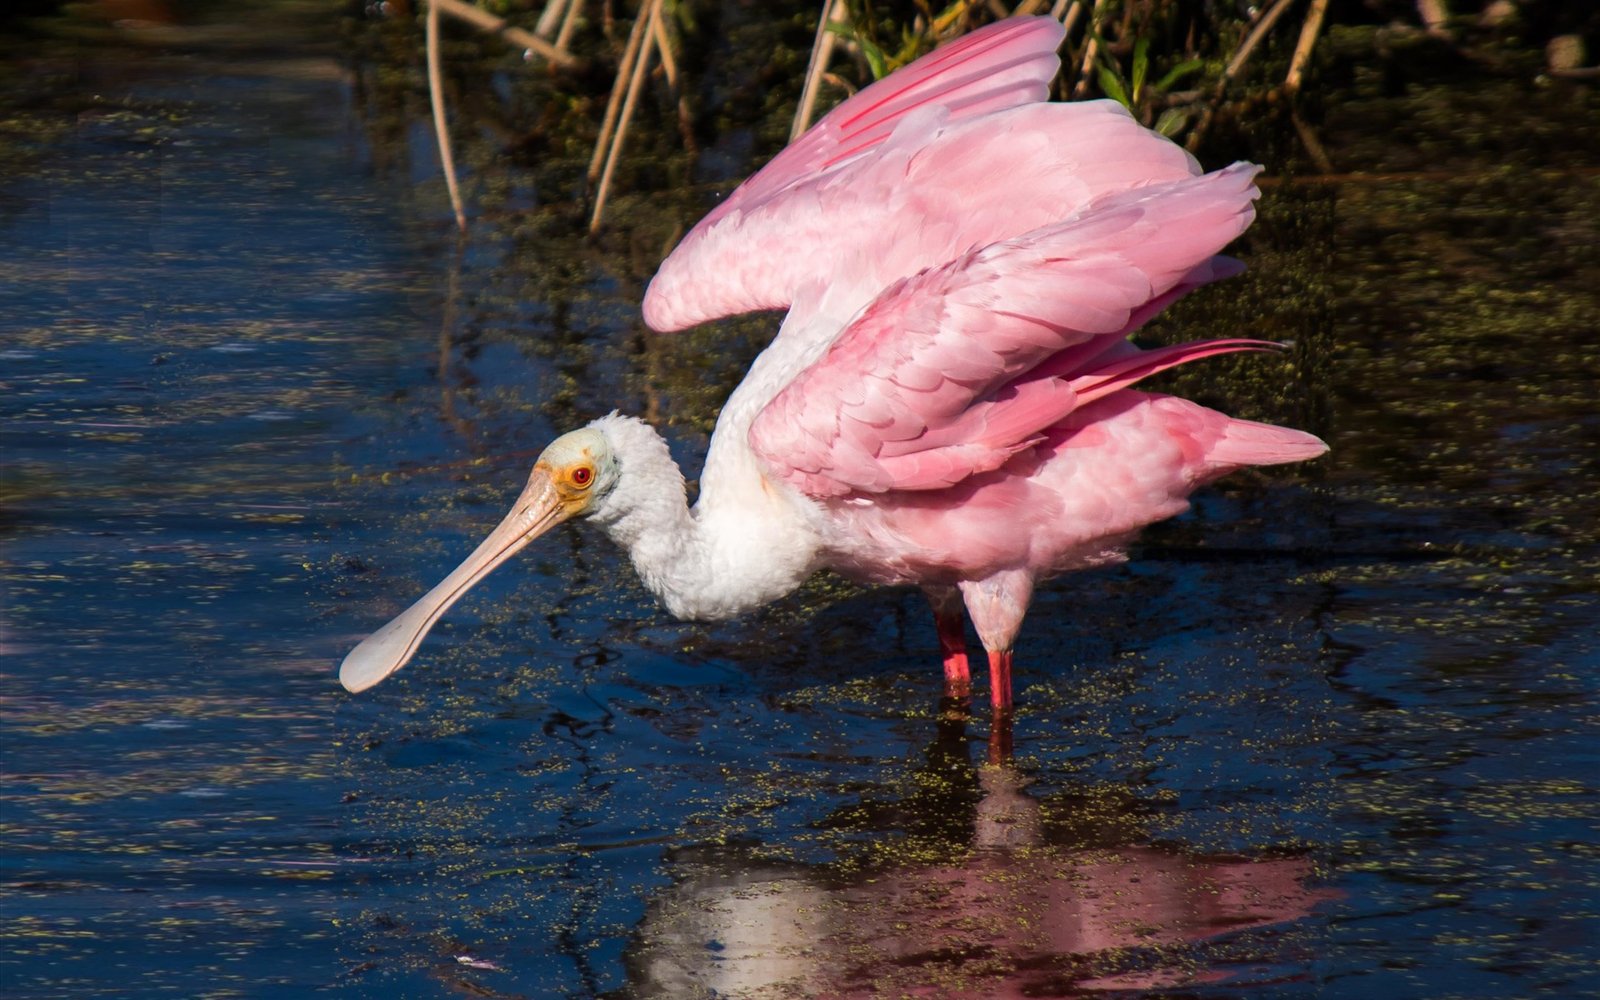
(999, 66)
(902, 177)
(1004, 65)
(950, 372)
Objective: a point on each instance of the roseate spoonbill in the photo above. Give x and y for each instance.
(947, 403)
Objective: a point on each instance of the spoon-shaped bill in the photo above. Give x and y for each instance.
(383, 652)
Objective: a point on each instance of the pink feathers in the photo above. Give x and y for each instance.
(950, 372)
(948, 402)
(965, 263)
(1073, 500)
(904, 176)
(1003, 66)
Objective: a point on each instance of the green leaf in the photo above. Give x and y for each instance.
(1111, 86)
(877, 62)
(1141, 65)
(1172, 121)
(1178, 72)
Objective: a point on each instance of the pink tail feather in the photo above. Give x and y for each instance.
(1125, 372)
(1246, 442)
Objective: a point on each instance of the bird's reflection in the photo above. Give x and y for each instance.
(1014, 905)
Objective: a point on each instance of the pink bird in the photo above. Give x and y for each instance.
(948, 402)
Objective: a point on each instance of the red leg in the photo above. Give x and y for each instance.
(950, 619)
(957, 675)
(996, 605)
(1000, 683)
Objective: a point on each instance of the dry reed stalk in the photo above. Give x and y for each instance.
(669, 66)
(1257, 33)
(516, 36)
(1302, 50)
(833, 12)
(669, 62)
(630, 57)
(569, 24)
(1235, 65)
(1091, 49)
(441, 129)
(635, 84)
(1068, 15)
(547, 17)
(1435, 17)
(1308, 138)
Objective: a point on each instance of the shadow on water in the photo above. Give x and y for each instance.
(1330, 733)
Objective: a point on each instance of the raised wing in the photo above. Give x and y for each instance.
(998, 66)
(905, 176)
(950, 372)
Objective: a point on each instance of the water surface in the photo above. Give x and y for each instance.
(1331, 733)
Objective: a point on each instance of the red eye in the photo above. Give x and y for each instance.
(582, 476)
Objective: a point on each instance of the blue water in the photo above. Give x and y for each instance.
(1332, 733)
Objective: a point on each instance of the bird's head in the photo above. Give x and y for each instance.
(574, 477)
(574, 474)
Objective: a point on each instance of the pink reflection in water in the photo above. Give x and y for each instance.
(1014, 918)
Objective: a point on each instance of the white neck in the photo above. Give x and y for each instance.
(747, 542)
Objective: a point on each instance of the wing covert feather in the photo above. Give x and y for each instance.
(998, 66)
(934, 381)
(902, 177)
